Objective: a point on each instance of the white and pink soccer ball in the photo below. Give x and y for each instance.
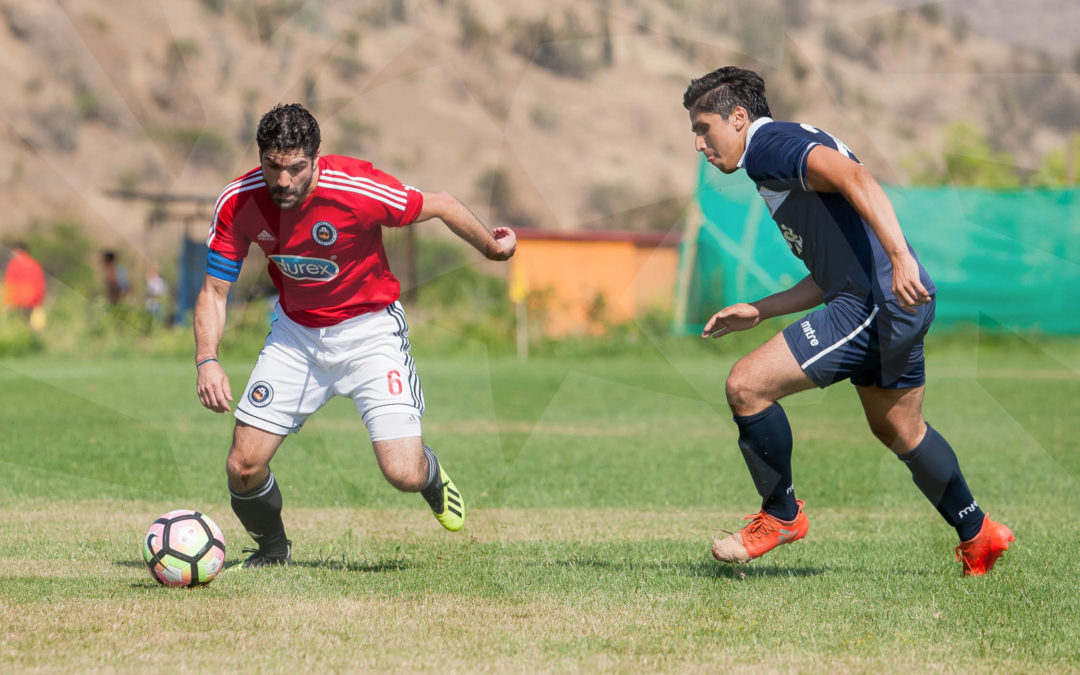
(184, 548)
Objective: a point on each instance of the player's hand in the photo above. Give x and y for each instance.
(739, 316)
(505, 244)
(906, 286)
(213, 387)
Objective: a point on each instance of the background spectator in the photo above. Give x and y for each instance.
(24, 282)
(116, 279)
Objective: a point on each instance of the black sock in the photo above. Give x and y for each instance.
(432, 490)
(259, 511)
(432, 468)
(765, 441)
(936, 471)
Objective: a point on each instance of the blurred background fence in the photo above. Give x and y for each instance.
(1010, 255)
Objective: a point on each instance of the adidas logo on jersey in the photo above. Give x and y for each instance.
(265, 236)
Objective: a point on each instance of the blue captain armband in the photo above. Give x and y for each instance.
(220, 267)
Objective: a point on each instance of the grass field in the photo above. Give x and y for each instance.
(594, 486)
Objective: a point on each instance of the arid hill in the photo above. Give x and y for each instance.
(558, 114)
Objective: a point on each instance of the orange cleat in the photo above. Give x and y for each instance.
(763, 534)
(980, 553)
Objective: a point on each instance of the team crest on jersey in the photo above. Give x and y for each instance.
(306, 269)
(260, 394)
(324, 233)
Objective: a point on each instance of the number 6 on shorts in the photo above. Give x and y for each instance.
(393, 382)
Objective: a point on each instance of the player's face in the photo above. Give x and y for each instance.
(722, 141)
(290, 176)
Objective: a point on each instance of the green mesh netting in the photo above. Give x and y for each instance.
(1009, 256)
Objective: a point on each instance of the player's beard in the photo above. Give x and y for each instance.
(287, 199)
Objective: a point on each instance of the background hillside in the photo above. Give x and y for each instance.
(558, 114)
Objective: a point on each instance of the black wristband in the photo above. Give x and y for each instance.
(205, 361)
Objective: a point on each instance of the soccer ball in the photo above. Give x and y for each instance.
(184, 548)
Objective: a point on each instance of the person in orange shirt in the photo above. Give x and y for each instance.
(24, 281)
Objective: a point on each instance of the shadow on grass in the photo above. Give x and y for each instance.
(129, 563)
(343, 565)
(329, 565)
(336, 564)
(698, 568)
(718, 570)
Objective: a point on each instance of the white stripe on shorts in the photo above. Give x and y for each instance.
(841, 341)
(395, 310)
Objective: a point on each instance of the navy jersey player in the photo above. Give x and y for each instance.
(878, 305)
(340, 328)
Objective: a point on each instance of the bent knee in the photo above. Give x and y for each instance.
(244, 472)
(744, 396)
(885, 433)
(900, 440)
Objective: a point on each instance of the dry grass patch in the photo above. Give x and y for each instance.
(192, 631)
(520, 589)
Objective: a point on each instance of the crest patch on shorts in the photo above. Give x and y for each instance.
(324, 233)
(260, 394)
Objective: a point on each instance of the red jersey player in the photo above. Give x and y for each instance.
(340, 329)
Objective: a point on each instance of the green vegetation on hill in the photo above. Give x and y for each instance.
(970, 160)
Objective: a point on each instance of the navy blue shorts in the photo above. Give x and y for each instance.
(855, 339)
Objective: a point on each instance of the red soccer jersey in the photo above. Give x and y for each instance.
(325, 256)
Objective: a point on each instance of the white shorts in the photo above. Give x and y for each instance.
(365, 358)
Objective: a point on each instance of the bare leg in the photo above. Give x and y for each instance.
(756, 383)
(763, 377)
(256, 497)
(410, 466)
(248, 464)
(403, 462)
(895, 416)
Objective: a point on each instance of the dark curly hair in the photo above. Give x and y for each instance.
(288, 127)
(723, 89)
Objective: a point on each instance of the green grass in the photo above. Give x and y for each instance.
(594, 486)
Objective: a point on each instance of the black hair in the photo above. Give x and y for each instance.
(723, 89)
(288, 127)
(108, 256)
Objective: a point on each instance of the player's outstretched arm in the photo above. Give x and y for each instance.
(830, 171)
(212, 385)
(743, 315)
(498, 244)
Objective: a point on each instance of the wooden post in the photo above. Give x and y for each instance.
(519, 294)
(522, 331)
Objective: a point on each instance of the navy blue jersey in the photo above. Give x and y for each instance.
(822, 229)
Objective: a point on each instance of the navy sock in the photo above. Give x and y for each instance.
(936, 471)
(259, 511)
(765, 441)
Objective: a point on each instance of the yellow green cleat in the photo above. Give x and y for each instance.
(446, 502)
